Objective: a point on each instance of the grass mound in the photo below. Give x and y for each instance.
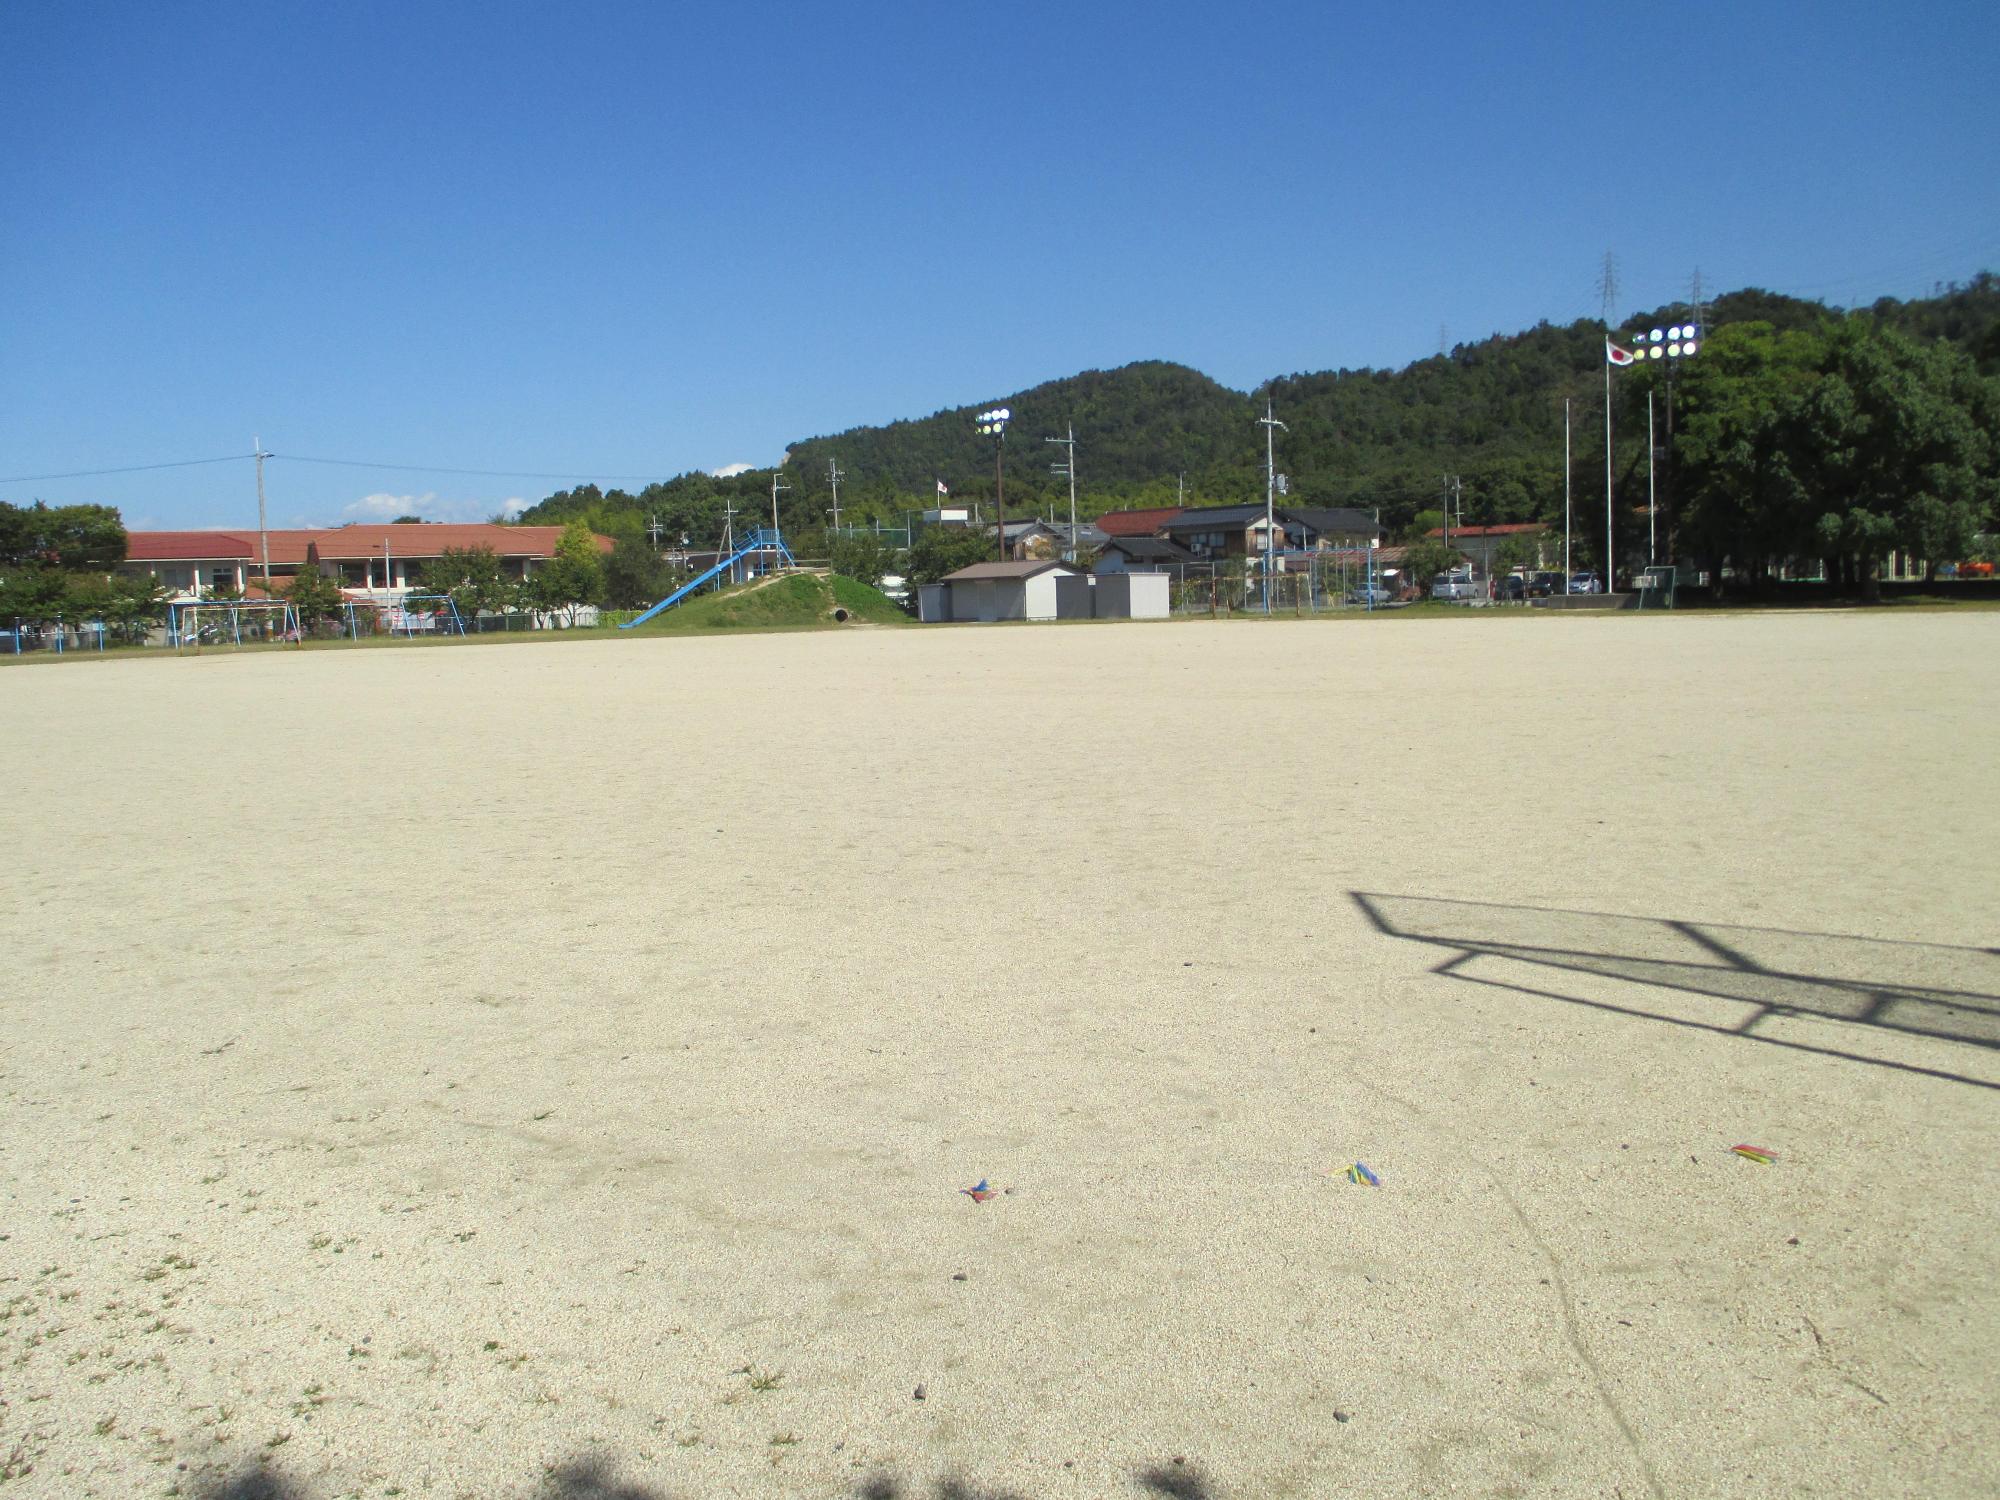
(801, 601)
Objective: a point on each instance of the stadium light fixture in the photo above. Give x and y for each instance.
(993, 424)
(1675, 341)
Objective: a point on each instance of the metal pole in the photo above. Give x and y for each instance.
(1071, 450)
(1652, 492)
(1271, 424)
(833, 473)
(1000, 493)
(1270, 497)
(1566, 495)
(263, 536)
(1610, 563)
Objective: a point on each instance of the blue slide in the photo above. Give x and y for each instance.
(759, 541)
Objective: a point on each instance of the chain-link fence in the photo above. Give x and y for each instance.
(1307, 583)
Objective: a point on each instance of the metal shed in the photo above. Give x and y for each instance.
(1132, 596)
(1032, 590)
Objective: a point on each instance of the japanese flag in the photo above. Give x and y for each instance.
(1614, 355)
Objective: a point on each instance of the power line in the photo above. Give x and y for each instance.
(355, 463)
(185, 463)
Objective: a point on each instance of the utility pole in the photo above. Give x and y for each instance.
(263, 534)
(653, 529)
(834, 476)
(1270, 424)
(775, 487)
(1068, 466)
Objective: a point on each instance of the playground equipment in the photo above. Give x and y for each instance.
(763, 551)
(219, 622)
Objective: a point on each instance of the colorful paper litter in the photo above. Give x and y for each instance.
(1757, 1154)
(978, 1194)
(1359, 1173)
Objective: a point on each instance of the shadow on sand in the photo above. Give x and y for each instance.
(579, 1479)
(594, 1478)
(1173, 1482)
(1739, 979)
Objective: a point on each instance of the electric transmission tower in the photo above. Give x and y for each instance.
(1607, 287)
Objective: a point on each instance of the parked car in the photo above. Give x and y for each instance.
(1543, 585)
(1453, 586)
(1586, 582)
(1372, 594)
(1513, 587)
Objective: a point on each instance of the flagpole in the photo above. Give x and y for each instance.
(1566, 495)
(1610, 557)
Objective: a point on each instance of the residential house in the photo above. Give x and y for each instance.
(1221, 532)
(1136, 522)
(1031, 539)
(1481, 544)
(1141, 554)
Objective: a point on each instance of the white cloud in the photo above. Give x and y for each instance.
(730, 471)
(383, 506)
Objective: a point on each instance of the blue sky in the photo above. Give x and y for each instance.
(638, 239)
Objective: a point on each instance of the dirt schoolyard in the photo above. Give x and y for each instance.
(555, 1070)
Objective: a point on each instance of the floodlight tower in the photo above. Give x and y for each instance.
(1674, 343)
(1270, 424)
(1068, 467)
(993, 424)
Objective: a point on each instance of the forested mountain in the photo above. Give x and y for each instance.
(1489, 413)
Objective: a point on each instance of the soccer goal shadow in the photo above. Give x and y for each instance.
(1739, 981)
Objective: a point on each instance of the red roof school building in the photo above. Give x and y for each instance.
(368, 561)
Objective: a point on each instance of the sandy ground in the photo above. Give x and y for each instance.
(552, 1069)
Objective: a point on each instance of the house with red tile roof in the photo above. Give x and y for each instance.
(369, 560)
(1482, 544)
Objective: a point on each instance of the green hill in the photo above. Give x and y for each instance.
(797, 601)
(1490, 412)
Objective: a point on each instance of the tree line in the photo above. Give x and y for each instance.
(1482, 422)
(59, 562)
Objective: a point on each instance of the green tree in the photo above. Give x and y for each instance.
(134, 604)
(33, 593)
(939, 550)
(473, 579)
(1842, 441)
(634, 574)
(80, 538)
(862, 556)
(1426, 559)
(316, 596)
(1517, 552)
(1901, 444)
(574, 576)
